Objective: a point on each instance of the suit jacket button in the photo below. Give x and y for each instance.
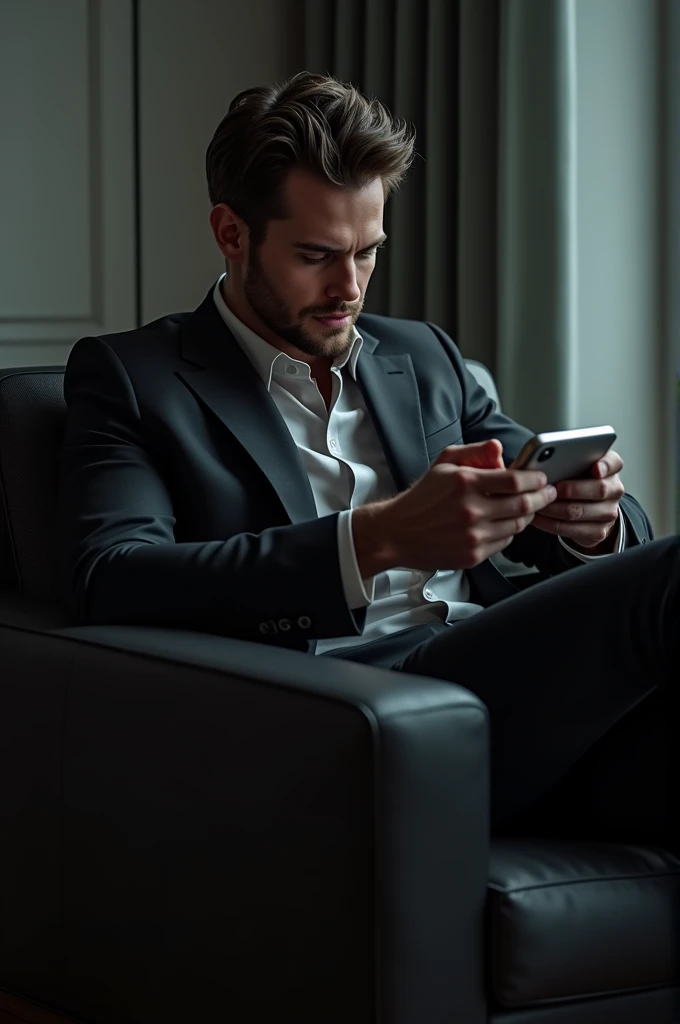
(304, 622)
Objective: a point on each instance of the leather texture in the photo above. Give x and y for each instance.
(571, 920)
(227, 828)
(659, 1006)
(32, 421)
(484, 378)
(179, 845)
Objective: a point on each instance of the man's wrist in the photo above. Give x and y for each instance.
(359, 592)
(606, 547)
(373, 544)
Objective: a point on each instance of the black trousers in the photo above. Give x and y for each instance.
(581, 676)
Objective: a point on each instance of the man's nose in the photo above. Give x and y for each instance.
(344, 284)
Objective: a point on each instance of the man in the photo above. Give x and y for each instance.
(278, 466)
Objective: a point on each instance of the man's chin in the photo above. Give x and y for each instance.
(333, 341)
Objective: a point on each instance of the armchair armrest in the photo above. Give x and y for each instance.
(261, 834)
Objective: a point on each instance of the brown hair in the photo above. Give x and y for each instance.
(313, 121)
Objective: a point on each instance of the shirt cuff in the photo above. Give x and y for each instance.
(621, 546)
(358, 592)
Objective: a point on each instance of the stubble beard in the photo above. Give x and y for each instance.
(275, 314)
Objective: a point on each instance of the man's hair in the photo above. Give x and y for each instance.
(311, 121)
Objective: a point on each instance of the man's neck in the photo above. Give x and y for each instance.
(241, 308)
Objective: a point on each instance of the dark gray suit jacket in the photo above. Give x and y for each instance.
(182, 499)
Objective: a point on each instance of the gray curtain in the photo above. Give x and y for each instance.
(477, 225)
(482, 237)
(538, 313)
(517, 275)
(670, 25)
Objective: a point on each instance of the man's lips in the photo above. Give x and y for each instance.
(337, 320)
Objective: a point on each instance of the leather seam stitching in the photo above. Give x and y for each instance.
(497, 886)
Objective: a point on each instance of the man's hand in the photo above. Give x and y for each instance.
(466, 507)
(586, 511)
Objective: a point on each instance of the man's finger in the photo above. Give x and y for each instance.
(588, 512)
(517, 506)
(591, 490)
(608, 465)
(510, 481)
(585, 534)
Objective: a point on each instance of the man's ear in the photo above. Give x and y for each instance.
(231, 233)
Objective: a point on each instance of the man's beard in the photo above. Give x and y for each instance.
(272, 310)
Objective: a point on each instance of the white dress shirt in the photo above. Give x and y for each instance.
(344, 460)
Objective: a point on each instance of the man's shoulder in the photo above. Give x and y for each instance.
(386, 328)
(161, 338)
(418, 338)
(140, 349)
(400, 329)
(161, 331)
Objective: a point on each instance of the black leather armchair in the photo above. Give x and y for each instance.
(202, 829)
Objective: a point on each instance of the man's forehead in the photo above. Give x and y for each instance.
(309, 198)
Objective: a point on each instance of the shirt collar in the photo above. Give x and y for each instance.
(262, 355)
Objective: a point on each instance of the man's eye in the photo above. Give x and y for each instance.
(366, 255)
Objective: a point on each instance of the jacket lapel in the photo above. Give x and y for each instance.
(390, 390)
(225, 380)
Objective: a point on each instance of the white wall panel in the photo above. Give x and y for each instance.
(67, 217)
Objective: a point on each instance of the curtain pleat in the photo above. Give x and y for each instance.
(441, 168)
(407, 224)
(349, 40)
(405, 52)
(477, 165)
(378, 81)
(378, 71)
(320, 36)
(537, 331)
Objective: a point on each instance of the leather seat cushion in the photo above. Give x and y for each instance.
(571, 919)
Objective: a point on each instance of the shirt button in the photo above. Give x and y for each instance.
(428, 594)
(291, 370)
(333, 445)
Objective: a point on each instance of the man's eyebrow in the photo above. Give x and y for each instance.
(320, 247)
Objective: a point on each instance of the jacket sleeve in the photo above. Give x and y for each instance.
(121, 562)
(481, 420)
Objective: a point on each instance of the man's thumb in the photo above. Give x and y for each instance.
(479, 454)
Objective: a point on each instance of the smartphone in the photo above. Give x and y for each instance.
(565, 454)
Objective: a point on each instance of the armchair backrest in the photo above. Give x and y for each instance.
(484, 377)
(32, 419)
